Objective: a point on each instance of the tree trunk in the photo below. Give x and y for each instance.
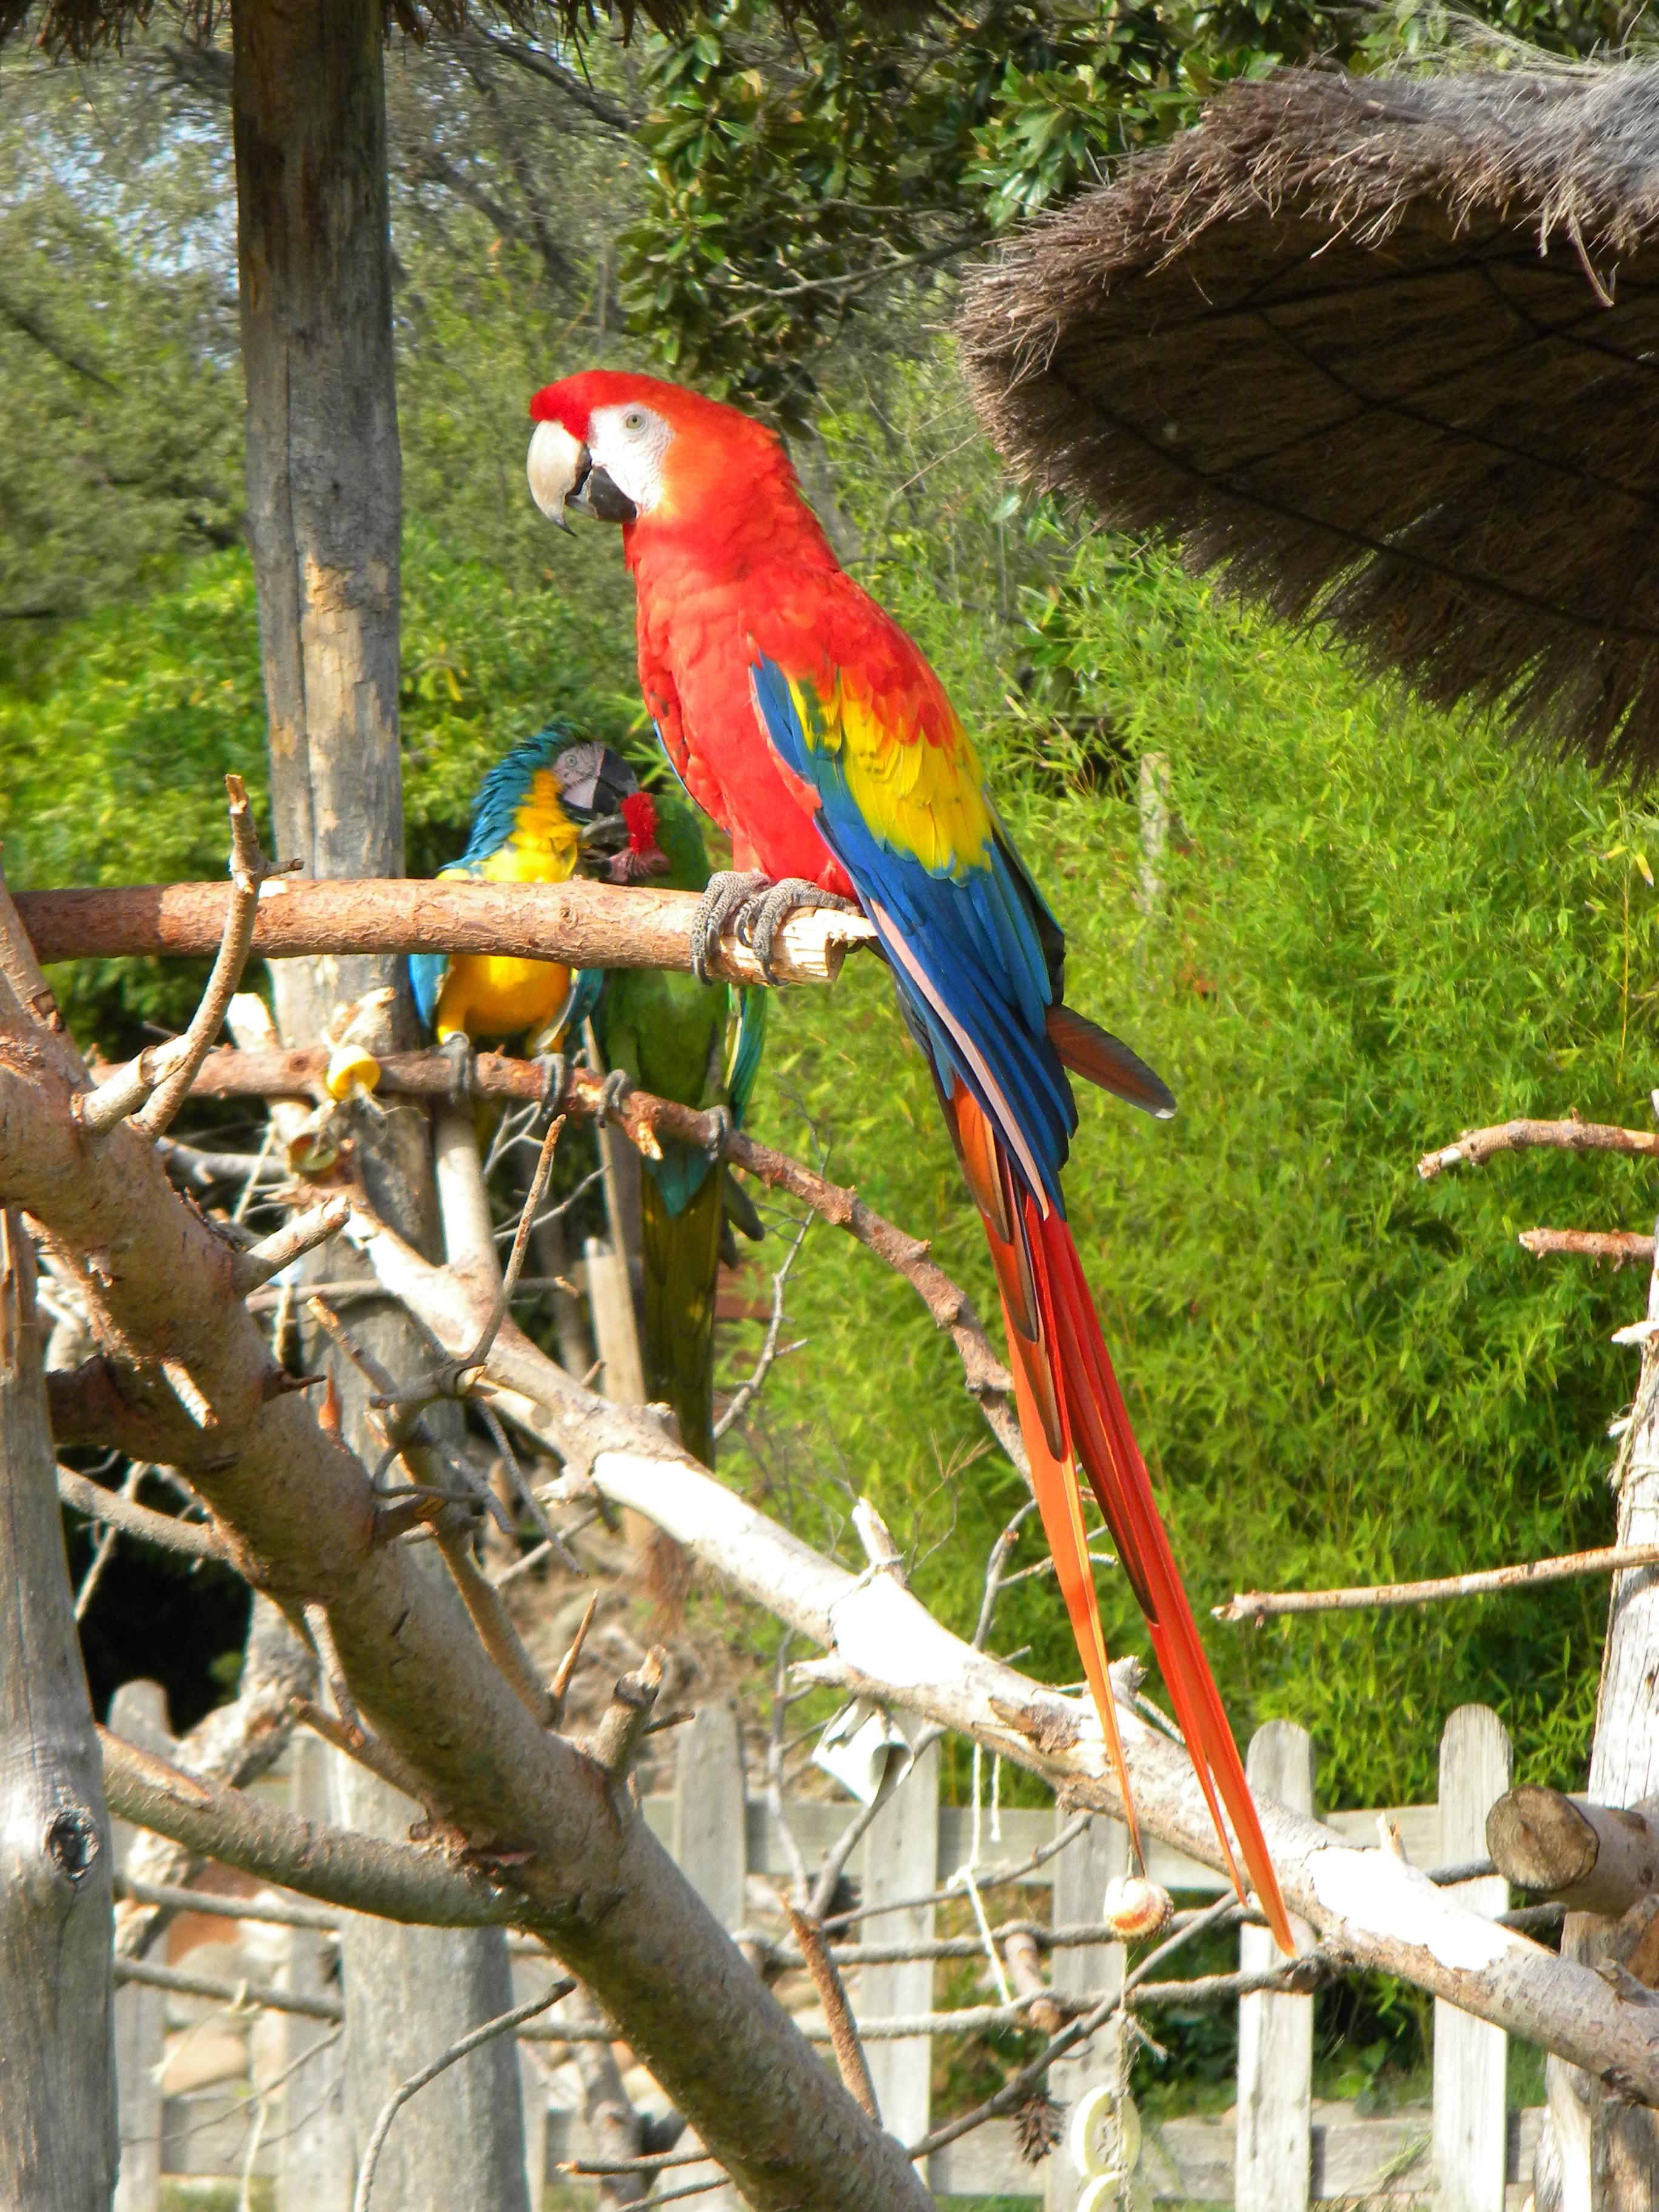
(1597, 2153)
(57, 2120)
(324, 516)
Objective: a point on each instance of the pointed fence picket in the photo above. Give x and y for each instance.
(1279, 2149)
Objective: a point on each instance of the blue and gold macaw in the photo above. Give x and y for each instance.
(554, 806)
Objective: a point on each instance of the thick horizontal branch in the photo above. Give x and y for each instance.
(582, 924)
(1615, 1244)
(1371, 1910)
(1475, 1145)
(1611, 1559)
(358, 1873)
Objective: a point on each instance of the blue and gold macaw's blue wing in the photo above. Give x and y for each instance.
(975, 952)
(427, 971)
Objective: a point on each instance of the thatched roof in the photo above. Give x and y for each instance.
(1386, 352)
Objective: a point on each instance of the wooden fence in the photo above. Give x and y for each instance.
(1278, 2150)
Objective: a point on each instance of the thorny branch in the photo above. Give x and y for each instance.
(641, 1116)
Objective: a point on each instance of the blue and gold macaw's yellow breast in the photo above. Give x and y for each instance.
(521, 832)
(977, 954)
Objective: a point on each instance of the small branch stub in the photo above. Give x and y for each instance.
(252, 1269)
(624, 1721)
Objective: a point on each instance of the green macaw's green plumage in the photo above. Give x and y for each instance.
(699, 1044)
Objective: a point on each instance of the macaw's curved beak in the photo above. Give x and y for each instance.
(561, 474)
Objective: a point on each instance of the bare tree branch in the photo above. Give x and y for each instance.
(837, 2013)
(1475, 1146)
(1264, 1605)
(583, 924)
(117, 1510)
(1372, 1910)
(358, 1873)
(248, 871)
(593, 1877)
(1615, 1244)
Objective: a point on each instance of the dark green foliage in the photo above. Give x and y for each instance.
(797, 177)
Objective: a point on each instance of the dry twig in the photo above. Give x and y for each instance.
(837, 2013)
(1615, 1244)
(1263, 1605)
(501, 2025)
(1476, 1145)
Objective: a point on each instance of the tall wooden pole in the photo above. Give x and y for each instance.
(1598, 2153)
(325, 517)
(57, 2126)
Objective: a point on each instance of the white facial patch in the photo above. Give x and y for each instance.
(630, 443)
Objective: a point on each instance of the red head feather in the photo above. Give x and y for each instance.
(639, 812)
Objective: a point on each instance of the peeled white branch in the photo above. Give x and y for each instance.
(1372, 1909)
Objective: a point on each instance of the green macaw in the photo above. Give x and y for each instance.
(700, 1044)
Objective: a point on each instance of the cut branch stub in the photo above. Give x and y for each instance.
(1596, 1858)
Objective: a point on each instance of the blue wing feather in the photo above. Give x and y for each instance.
(975, 952)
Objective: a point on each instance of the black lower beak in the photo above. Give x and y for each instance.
(596, 493)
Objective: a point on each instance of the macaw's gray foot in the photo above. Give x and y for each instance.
(554, 1069)
(612, 1091)
(463, 1064)
(762, 917)
(729, 891)
(721, 1132)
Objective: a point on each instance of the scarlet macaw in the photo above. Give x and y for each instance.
(699, 1043)
(799, 714)
(551, 806)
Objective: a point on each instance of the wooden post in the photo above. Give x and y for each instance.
(1470, 2122)
(1275, 2033)
(900, 1859)
(1597, 2153)
(324, 523)
(58, 2143)
(1081, 1874)
(313, 2158)
(409, 1997)
(616, 1332)
(709, 1844)
(139, 1715)
(710, 1848)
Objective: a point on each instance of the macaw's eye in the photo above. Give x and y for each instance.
(633, 420)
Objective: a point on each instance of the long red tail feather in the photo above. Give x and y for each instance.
(1071, 1409)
